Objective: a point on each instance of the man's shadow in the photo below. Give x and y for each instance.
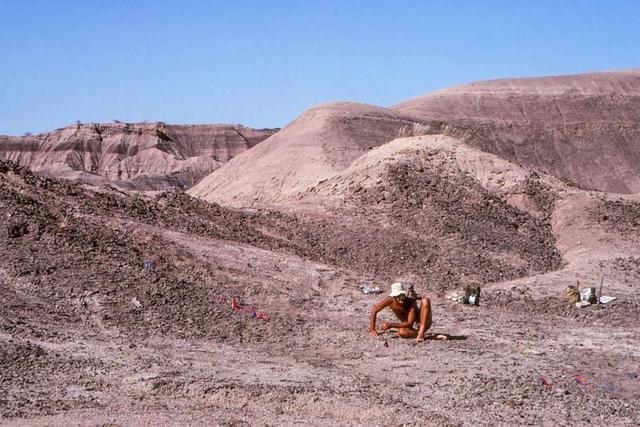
(444, 337)
(433, 336)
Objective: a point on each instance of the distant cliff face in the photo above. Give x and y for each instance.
(141, 156)
(584, 128)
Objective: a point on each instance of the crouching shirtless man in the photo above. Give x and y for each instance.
(409, 308)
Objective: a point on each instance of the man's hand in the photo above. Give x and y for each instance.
(385, 326)
(373, 332)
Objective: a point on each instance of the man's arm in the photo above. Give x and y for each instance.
(411, 318)
(374, 313)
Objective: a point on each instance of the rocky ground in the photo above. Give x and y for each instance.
(116, 309)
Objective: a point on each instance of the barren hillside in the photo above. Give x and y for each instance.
(324, 140)
(137, 156)
(584, 128)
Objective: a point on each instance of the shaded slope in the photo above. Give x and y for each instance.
(583, 128)
(442, 211)
(321, 142)
(137, 156)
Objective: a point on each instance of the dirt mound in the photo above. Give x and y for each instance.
(321, 142)
(583, 128)
(132, 156)
(414, 205)
(396, 211)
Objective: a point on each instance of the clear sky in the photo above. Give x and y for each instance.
(261, 63)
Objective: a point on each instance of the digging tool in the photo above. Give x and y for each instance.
(600, 293)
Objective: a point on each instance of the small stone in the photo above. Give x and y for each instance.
(511, 403)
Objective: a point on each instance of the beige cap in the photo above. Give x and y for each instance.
(397, 289)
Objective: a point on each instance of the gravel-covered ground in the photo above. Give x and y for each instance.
(90, 334)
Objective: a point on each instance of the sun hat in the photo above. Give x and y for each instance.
(397, 289)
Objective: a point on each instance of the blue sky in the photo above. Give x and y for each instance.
(261, 63)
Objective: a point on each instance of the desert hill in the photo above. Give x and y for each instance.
(448, 192)
(137, 156)
(584, 128)
(319, 143)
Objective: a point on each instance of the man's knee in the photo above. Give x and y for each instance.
(424, 302)
(405, 332)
